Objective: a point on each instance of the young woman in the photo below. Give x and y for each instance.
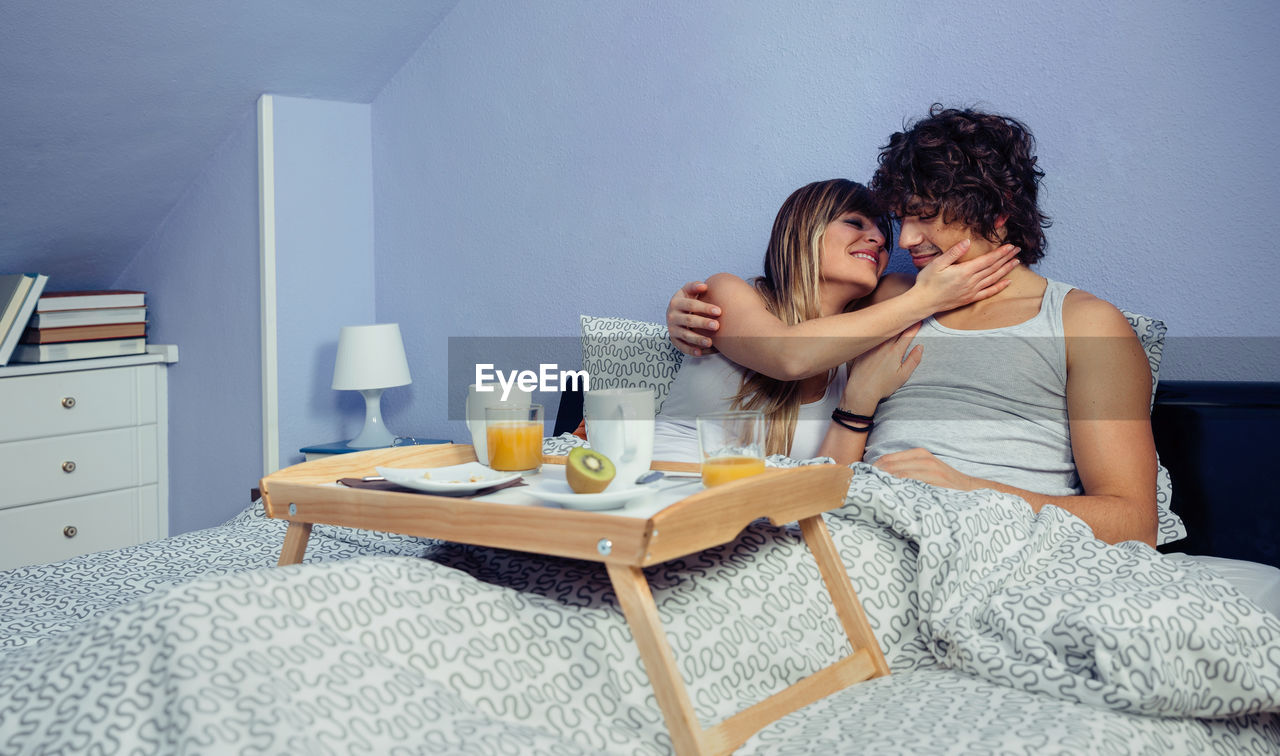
(784, 337)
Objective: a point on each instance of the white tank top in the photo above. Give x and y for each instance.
(990, 403)
(708, 384)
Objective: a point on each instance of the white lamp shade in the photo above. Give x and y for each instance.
(370, 357)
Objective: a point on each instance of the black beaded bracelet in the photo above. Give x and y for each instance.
(847, 415)
(856, 429)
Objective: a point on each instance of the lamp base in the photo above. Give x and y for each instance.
(374, 435)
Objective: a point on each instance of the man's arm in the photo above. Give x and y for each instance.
(1108, 404)
(691, 321)
(1108, 390)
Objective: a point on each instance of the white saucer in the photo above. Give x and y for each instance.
(558, 492)
(454, 479)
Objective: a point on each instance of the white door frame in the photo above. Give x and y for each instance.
(267, 278)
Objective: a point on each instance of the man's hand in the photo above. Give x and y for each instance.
(690, 321)
(921, 465)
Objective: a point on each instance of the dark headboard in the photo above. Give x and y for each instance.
(1221, 443)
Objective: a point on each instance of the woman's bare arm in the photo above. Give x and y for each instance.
(792, 352)
(753, 337)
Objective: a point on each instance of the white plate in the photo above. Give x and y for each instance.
(454, 479)
(558, 492)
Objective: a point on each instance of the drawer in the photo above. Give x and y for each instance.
(38, 406)
(50, 532)
(66, 466)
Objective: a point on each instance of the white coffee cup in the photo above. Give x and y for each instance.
(620, 426)
(477, 402)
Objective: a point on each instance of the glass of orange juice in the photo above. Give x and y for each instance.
(513, 436)
(731, 444)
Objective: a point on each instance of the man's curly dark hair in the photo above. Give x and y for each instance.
(972, 167)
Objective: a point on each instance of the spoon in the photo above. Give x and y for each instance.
(656, 475)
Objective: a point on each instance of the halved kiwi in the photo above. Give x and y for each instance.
(588, 471)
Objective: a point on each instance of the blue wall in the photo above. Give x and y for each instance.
(534, 161)
(324, 263)
(200, 272)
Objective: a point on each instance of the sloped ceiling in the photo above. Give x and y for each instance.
(108, 110)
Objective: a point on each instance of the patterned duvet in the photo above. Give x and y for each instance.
(1006, 632)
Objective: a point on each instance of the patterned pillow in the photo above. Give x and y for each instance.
(620, 353)
(1151, 334)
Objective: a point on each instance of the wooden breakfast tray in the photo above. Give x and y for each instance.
(305, 495)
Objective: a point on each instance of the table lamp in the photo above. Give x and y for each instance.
(370, 359)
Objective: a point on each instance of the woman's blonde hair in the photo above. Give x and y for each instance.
(789, 287)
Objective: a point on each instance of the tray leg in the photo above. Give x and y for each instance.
(687, 734)
(641, 612)
(843, 596)
(295, 543)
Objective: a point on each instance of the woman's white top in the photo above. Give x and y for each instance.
(708, 384)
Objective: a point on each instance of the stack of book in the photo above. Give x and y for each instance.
(19, 293)
(74, 325)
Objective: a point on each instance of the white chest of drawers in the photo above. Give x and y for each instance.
(83, 456)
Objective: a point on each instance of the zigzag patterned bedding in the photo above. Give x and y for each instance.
(1006, 632)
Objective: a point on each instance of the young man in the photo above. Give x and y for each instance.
(1041, 390)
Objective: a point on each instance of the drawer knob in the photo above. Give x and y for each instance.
(68, 401)
(70, 531)
(68, 466)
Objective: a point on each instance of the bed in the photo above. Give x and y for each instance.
(1005, 632)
